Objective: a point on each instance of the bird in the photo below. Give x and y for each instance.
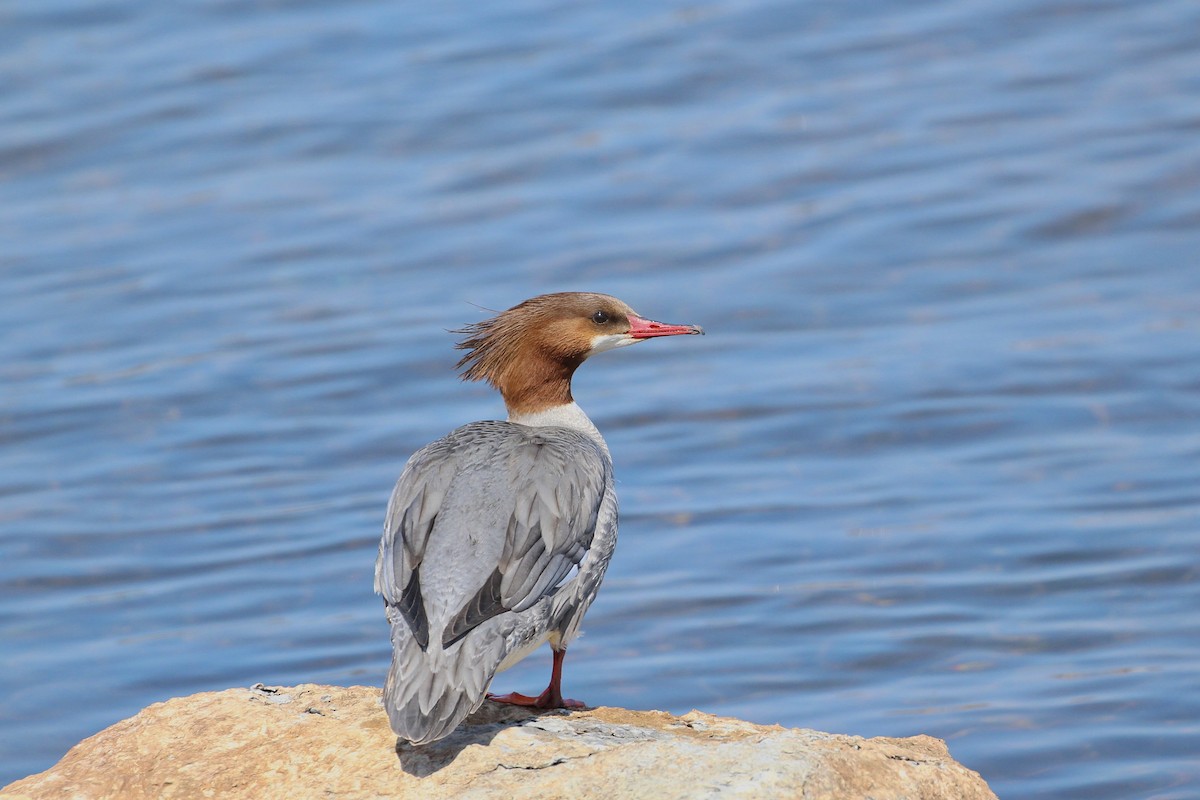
(497, 535)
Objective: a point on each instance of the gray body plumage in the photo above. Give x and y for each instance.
(496, 540)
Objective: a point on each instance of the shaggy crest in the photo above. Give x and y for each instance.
(492, 344)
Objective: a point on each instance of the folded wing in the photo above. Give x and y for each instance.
(484, 523)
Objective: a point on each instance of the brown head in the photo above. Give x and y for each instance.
(530, 352)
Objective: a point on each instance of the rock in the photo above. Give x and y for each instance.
(329, 741)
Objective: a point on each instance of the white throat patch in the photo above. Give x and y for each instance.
(611, 341)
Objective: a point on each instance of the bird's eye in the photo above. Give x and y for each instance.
(600, 318)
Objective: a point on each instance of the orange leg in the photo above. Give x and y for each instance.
(551, 698)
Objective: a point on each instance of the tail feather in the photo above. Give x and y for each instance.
(427, 694)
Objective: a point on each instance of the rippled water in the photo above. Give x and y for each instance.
(936, 468)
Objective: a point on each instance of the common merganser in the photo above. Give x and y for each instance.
(498, 534)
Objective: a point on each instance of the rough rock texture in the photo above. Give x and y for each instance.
(329, 741)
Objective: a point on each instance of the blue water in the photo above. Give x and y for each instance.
(935, 469)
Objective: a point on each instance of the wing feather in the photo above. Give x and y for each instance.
(486, 604)
(553, 480)
(551, 538)
(411, 516)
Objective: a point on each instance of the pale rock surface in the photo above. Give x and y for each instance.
(314, 741)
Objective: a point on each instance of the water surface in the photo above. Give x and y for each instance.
(935, 469)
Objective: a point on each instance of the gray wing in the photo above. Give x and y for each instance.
(412, 510)
(538, 494)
